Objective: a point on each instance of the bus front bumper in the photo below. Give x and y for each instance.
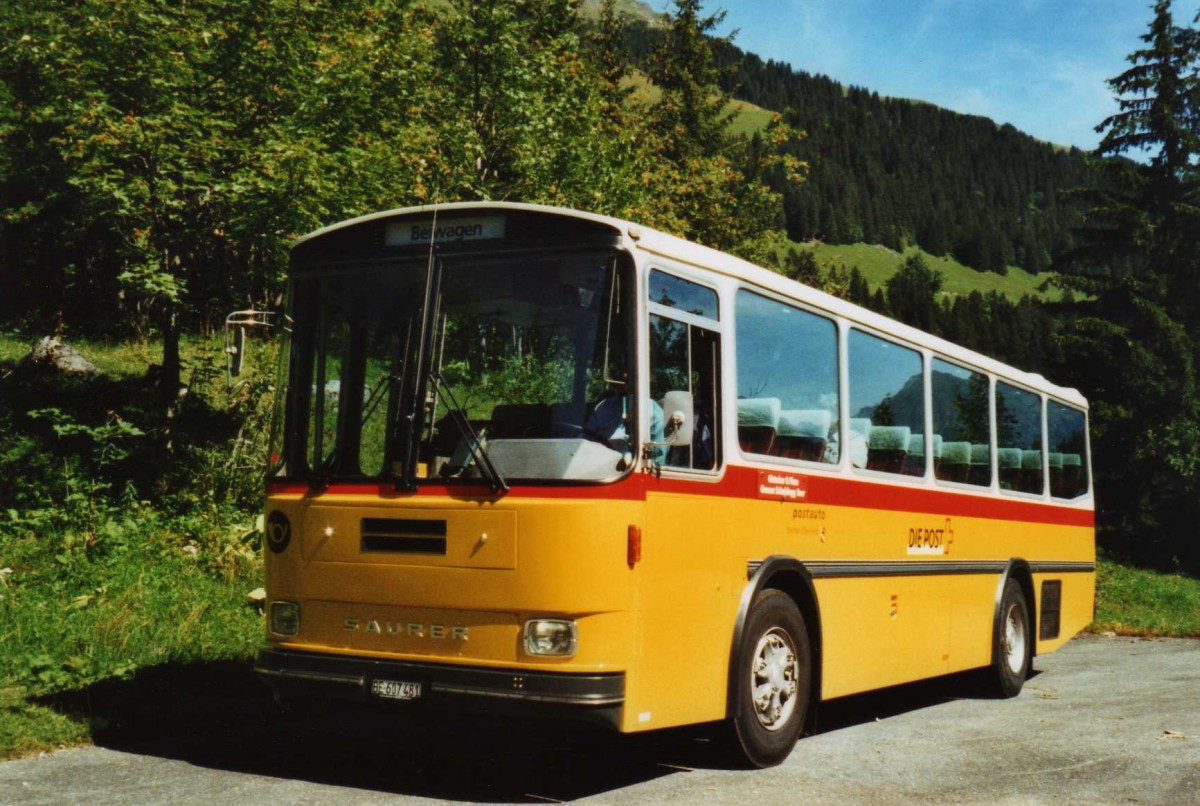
(296, 675)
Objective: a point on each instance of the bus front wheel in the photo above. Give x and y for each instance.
(772, 675)
(1013, 651)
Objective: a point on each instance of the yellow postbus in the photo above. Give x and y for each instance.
(541, 461)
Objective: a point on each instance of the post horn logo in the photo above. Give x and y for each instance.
(279, 531)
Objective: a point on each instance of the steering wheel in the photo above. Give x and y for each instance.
(572, 430)
(561, 428)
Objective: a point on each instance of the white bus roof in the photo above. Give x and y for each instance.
(679, 249)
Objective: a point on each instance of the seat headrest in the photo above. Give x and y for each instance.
(759, 411)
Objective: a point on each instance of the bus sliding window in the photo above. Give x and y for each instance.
(685, 356)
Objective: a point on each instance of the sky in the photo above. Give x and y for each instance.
(1041, 65)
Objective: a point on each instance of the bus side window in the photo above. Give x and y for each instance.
(887, 398)
(787, 380)
(1019, 436)
(962, 417)
(1068, 450)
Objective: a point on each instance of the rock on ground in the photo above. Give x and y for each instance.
(54, 353)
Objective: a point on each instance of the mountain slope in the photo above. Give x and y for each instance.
(903, 173)
(877, 263)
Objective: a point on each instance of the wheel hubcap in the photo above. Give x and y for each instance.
(1014, 640)
(773, 677)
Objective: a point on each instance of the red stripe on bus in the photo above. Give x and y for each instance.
(742, 482)
(840, 491)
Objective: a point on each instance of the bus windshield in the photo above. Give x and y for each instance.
(522, 367)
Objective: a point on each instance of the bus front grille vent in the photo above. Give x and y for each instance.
(404, 536)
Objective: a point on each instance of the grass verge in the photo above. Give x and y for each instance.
(1135, 601)
(69, 620)
(116, 557)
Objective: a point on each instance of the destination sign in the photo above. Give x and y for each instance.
(448, 229)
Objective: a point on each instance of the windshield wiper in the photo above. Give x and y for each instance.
(467, 432)
(414, 413)
(413, 409)
(372, 401)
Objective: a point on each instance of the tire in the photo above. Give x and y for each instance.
(1012, 642)
(772, 678)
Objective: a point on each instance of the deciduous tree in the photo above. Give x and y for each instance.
(160, 155)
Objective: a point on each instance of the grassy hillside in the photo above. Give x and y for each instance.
(878, 263)
(747, 118)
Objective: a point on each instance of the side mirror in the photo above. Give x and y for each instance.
(677, 418)
(236, 324)
(237, 352)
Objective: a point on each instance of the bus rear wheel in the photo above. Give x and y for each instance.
(772, 676)
(1013, 650)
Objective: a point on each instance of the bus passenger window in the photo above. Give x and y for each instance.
(1068, 450)
(887, 403)
(1019, 439)
(962, 418)
(787, 380)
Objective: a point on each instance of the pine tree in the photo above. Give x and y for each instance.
(802, 266)
(1154, 207)
(691, 114)
(609, 57)
(912, 293)
(718, 199)
(1157, 97)
(1134, 278)
(859, 292)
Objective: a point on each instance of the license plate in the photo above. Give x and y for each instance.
(396, 689)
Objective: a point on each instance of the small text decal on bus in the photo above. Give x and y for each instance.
(924, 540)
(777, 486)
(477, 228)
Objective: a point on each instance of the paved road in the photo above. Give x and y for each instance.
(1105, 720)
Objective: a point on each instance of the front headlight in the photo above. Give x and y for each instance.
(285, 618)
(551, 637)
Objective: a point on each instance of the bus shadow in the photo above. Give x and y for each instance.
(219, 716)
(889, 702)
